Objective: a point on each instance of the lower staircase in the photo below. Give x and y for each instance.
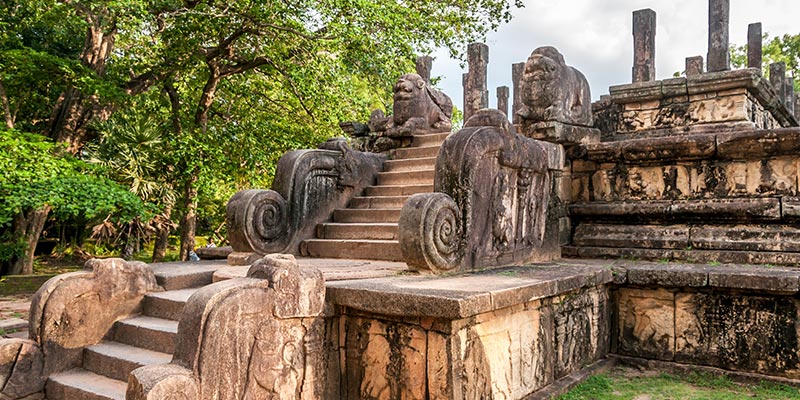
(133, 342)
(367, 228)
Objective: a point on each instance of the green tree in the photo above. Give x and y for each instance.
(238, 82)
(38, 182)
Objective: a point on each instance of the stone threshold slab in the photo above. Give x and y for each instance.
(333, 269)
(461, 296)
(762, 278)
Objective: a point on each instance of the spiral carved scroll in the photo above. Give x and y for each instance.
(431, 233)
(257, 221)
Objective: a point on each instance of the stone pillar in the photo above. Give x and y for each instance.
(694, 66)
(754, 42)
(777, 75)
(644, 45)
(476, 95)
(516, 80)
(788, 94)
(424, 66)
(502, 99)
(719, 58)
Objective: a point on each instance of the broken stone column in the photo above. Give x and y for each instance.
(788, 94)
(424, 66)
(516, 79)
(694, 66)
(777, 74)
(644, 45)
(502, 99)
(719, 58)
(754, 42)
(476, 94)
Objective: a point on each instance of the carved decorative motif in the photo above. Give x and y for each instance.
(68, 313)
(418, 107)
(490, 208)
(552, 91)
(308, 185)
(258, 337)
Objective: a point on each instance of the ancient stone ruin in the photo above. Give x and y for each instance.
(510, 259)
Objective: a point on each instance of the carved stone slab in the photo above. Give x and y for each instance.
(489, 208)
(308, 186)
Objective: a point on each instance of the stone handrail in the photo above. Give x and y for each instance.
(308, 186)
(492, 190)
(254, 337)
(68, 313)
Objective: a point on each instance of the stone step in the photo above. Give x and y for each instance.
(397, 190)
(415, 152)
(116, 360)
(79, 384)
(371, 215)
(378, 202)
(409, 164)
(381, 231)
(184, 275)
(386, 250)
(150, 333)
(420, 177)
(167, 305)
(433, 139)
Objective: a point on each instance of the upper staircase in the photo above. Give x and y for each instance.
(367, 228)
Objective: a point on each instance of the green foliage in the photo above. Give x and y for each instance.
(784, 48)
(38, 175)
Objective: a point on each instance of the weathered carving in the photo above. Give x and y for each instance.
(418, 107)
(434, 235)
(491, 207)
(554, 91)
(254, 338)
(308, 185)
(69, 312)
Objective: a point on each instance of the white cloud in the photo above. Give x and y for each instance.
(595, 37)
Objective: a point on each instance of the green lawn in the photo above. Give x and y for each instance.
(624, 383)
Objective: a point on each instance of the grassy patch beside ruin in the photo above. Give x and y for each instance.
(625, 383)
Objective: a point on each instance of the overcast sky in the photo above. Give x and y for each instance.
(595, 36)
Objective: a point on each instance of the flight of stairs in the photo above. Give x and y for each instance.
(367, 228)
(133, 342)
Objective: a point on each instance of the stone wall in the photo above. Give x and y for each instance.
(735, 318)
(680, 197)
(455, 343)
(720, 101)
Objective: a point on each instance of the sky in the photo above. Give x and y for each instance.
(595, 37)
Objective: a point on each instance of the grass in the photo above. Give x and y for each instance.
(623, 383)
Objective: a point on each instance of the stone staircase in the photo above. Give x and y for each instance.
(367, 228)
(133, 342)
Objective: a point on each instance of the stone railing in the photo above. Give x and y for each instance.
(491, 204)
(308, 186)
(255, 337)
(68, 313)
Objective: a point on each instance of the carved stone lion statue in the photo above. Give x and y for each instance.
(419, 107)
(554, 91)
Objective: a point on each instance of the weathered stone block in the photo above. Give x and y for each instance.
(646, 321)
(748, 333)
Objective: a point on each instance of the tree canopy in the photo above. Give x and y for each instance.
(223, 88)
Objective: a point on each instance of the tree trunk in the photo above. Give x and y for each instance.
(130, 239)
(28, 226)
(6, 107)
(162, 237)
(189, 220)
